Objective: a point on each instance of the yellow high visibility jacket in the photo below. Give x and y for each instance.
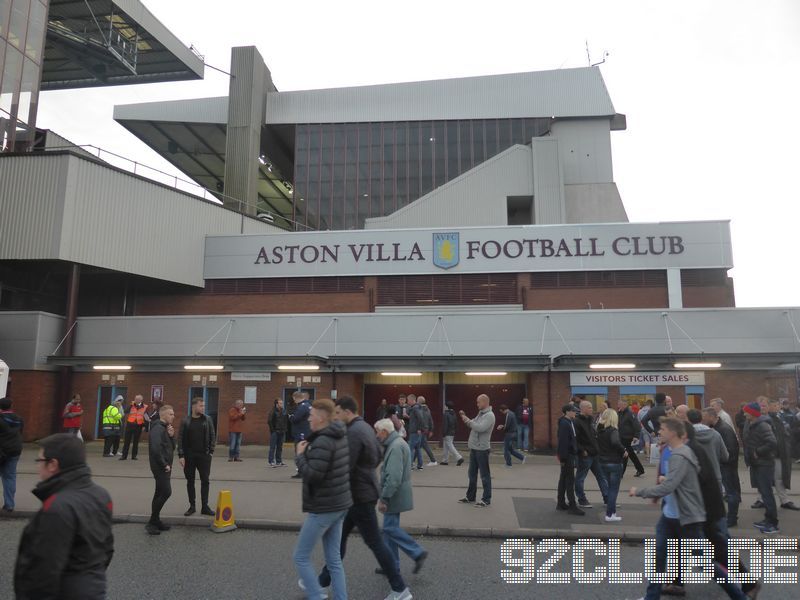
(112, 415)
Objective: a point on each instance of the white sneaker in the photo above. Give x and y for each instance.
(524, 458)
(433, 463)
(404, 595)
(323, 595)
(613, 518)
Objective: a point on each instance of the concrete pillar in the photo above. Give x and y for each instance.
(247, 103)
(674, 289)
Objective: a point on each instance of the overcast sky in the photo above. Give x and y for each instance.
(711, 90)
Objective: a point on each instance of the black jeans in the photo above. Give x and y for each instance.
(733, 491)
(764, 478)
(161, 495)
(110, 444)
(132, 432)
(633, 458)
(201, 462)
(364, 517)
(566, 482)
(479, 461)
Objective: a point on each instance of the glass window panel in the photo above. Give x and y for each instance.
(376, 170)
(363, 195)
(504, 134)
(452, 150)
(413, 161)
(5, 15)
(426, 145)
(439, 153)
(28, 93)
(339, 142)
(19, 23)
(12, 73)
(478, 151)
(518, 132)
(401, 165)
(36, 24)
(388, 168)
(491, 138)
(465, 145)
(301, 139)
(312, 204)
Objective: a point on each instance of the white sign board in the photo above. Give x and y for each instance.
(634, 378)
(592, 246)
(250, 394)
(251, 376)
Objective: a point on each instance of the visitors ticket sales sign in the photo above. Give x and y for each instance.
(700, 244)
(633, 378)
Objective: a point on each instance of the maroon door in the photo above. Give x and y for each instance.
(463, 396)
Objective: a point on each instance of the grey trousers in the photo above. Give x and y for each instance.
(447, 442)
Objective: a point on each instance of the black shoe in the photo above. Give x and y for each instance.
(207, 511)
(584, 503)
(574, 510)
(7, 510)
(134, 458)
(562, 507)
(466, 501)
(163, 526)
(419, 561)
(790, 506)
(152, 529)
(757, 504)
(673, 590)
(123, 458)
(460, 462)
(444, 463)
(760, 524)
(190, 511)
(639, 474)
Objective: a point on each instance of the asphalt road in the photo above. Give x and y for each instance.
(193, 563)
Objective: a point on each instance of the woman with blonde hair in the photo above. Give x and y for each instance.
(610, 456)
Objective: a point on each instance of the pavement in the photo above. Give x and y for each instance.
(523, 498)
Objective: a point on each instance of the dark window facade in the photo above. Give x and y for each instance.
(426, 290)
(599, 279)
(347, 172)
(285, 285)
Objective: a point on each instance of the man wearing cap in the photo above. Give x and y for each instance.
(759, 454)
(567, 455)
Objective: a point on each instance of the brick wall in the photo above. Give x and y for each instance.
(708, 296)
(580, 298)
(34, 396)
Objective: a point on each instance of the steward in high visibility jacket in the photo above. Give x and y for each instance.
(112, 416)
(136, 416)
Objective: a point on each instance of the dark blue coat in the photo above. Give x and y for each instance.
(567, 444)
(299, 419)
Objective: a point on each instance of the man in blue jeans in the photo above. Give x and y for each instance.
(586, 437)
(416, 423)
(510, 429)
(396, 496)
(10, 449)
(479, 444)
(524, 414)
(760, 446)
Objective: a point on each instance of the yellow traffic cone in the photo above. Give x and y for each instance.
(223, 520)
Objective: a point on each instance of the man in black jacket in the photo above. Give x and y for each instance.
(448, 434)
(365, 456)
(586, 437)
(729, 468)
(67, 546)
(162, 451)
(759, 454)
(11, 426)
(567, 455)
(629, 429)
(196, 443)
(652, 422)
(783, 453)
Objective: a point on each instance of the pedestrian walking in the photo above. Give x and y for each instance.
(134, 423)
(728, 468)
(299, 422)
(365, 456)
(416, 423)
(427, 430)
(509, 429)
(236, 417)
(72, 416)
(383, 410)
(277, 422)
(610, 454)
(448, 435)
(396, 495)
(67, 546)
(652, 421)
(324, 465)
(760, 447)
(11, 427)
(196, 443)
(162, 452)
(567, 454)
(479, 444)
(524, 414)
(112, 427)
(586, 439)
(629, 428)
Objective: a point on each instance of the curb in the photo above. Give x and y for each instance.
(631, 537)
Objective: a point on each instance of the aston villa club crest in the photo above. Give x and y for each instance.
(445, 250)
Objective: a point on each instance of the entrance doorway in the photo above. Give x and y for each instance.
(210, 396)
(105, 395)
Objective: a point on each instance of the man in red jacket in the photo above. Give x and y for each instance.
(72, 414)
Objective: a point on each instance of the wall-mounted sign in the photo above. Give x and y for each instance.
(701, 244)
(638, 378)
(251, 376)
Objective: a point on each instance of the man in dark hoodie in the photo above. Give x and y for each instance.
(729, 468)
(759, 454)
(67, 546)
(365, 456)
(567, 454)
(448, 433)
(162, 452)
(652, 422)
(586, 438)
(629, 428)
(11, 426)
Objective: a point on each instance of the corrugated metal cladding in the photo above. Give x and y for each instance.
(28, 337)
(202, 110)
(561, 93)
(548, 184)
(64, 207)
(476, 198)
(31, 203)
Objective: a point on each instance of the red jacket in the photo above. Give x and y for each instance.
(235, 420)
(72, 415)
